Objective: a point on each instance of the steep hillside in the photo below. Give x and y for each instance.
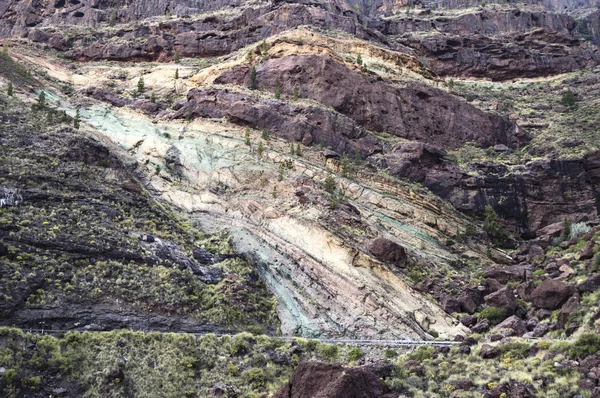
(326, 170)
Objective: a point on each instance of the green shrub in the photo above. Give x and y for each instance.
(232, 369)
(391, 353)
(492, 225)
(355, 354)
(328, 351)
(568, 98)
(515, 349)
(494, 314)
(422, 353)
(254, 376)
(255, 330)
(586, 345)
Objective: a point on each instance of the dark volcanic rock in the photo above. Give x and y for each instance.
(449, 303)
(296, 122)
(513, 323)
(320, 380)
(551, 294)
(525, 197)
(488, 352)
(503, 298)
(380, 106)
(388, 252)
(572, 305)
(512, 273)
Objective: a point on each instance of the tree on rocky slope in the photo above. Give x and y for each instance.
(252, 85)
(492, 225)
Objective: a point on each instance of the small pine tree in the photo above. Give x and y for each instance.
(41, 101)
(359, 60)
(140, 85)
(247, 137)
(277, 89)
(566, 229)
(568, 99)
(356, 156)
(260, 148)
(65, 117)
(153, 98)
(264, 48)
(280, 173)
(76, 120)
(329, 184)
(274, 193)
(492, 225)
(292, 149)
(298, 150)
(5, 50)
(289, 164)
(176, 73)
(264, 135)
(295, 93)
(113, 18)
(177, 57)
(9, 91)
(346, 167)
(334, 201)
(252, 85)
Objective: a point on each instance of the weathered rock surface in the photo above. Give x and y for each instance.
(524, 196)
(320, 380)
(301, 123)
(503, 298)
(551, 294)
(379, 106)
(388, 252)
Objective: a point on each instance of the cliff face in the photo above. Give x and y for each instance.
(323, 135)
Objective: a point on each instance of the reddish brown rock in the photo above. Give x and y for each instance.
(513, 323)
(296, 122)
(551, 294)
(510, 273)
(381, 106)
(572, 305)
(488, 352)
(321, 380)
(588, 251)
(525, 289)
(503, 298)
(388, 252)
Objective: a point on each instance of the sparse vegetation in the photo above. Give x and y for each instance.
(252, 85)
(140, 85)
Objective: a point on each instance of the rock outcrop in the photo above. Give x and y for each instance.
(414, 111)
(320, 380)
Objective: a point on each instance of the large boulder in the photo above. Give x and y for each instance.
(449, 303)
(503, 298)
(488, 352)
(589, 285)
(572, 305)
(588, 251)
(510, 273)
(388, 252)
(551, 294)
(513, 323)
(322, 380)
(525, 289)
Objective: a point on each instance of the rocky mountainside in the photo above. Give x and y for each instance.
(327, 170)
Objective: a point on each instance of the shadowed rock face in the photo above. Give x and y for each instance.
(415, 111)
(529, 197)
